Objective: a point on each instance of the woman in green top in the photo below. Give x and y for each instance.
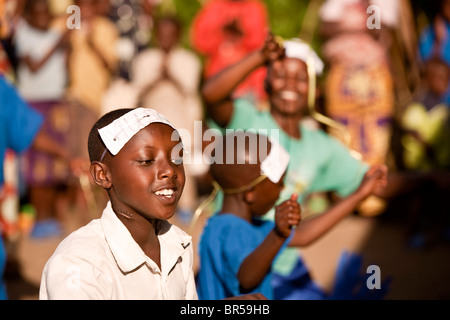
(319, 162)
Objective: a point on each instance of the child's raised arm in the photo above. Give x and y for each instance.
(35, 66)
(257, 264)
(312, 229)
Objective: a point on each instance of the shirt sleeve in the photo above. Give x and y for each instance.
(23, 122)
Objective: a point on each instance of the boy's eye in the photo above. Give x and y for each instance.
(146, 162)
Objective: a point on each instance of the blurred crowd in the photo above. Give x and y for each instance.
(385, 86)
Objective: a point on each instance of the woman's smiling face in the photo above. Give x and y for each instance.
(146, 177)
(288, 81)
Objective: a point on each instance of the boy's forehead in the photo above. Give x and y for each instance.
(120, 131)
(153, 135)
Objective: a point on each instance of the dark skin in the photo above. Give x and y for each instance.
(134, 179)
(258, 200)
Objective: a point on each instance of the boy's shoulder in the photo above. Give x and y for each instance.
(85, 241)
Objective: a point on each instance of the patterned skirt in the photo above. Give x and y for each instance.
(362, 99)
(39, 168)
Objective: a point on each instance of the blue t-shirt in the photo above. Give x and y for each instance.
(19, 123)
(225, 243)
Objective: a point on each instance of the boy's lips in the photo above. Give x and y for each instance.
(167, 195)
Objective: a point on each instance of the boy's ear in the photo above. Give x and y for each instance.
(249, 196)
(100, 174)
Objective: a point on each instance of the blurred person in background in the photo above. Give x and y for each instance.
(359, 90)
(134, 20)
(224, 31)
(434, 38)
(93, 58)
(20, 129)
(425, 147)
(42, 80)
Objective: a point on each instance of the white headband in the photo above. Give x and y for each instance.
(276, 162)
(299, 49)
(120, 131)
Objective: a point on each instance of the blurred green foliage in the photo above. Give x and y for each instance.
(285, 16)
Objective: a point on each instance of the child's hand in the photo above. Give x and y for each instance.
(374, 179)
(272, 50)
(287, 215)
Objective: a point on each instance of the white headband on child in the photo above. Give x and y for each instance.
(276, 162)
(296, 48)
(120, 131)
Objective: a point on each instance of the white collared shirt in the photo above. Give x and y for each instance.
(102, 261)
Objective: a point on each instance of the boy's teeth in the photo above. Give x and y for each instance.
(165, 192)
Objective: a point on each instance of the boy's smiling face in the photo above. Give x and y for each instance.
(145, 178)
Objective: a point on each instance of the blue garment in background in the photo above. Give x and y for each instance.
(19, 125)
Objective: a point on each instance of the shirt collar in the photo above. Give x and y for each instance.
(129, 255)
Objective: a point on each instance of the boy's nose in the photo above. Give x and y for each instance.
(166, 170)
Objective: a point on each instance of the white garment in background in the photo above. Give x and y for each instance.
(49, 82)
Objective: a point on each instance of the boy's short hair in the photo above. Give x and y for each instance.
(96, 147)
(245, 165)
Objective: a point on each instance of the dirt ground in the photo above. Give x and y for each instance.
(417, 274)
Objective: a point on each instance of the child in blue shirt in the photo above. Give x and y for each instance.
(237, 247)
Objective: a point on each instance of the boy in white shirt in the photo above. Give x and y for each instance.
(132, 251)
